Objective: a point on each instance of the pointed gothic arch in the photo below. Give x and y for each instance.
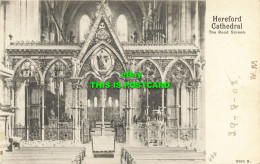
(173, 62)
(22, 61)
(114, 73)
(142, 62)
(84, 26)
(88, 75)
(122, 28)
(51, 64)
(101, 18)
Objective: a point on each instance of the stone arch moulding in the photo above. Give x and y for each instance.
(53, 62)
(114, 73)
(169, 66)
(20, 62)
(86, 76)
(154, 63)
(50, 64)
(97, 47)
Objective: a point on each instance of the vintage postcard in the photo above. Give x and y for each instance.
(129, 82)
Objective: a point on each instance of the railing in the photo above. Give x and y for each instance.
(140, 134)
(158, 134)
(120, 133)
(63, 132)
(84, 131)
(141, 43)
(52, 132)
(20, 131)
(45, 43)
(154, 43)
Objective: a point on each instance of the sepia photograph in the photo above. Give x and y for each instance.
(112, 81)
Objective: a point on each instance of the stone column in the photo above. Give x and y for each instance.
(2, 29)
(130, 101)
(27, 109)
(178, 109)
(195, 107)
(79, 112)
(196, 31)
(170, 105)
(84, 101)
(103, 111)
(193, 102)
(190, 106)
(183, 21)
(130, 115)
(126, 108)
(15, 104)
(129, 105)
(23, 20)
(183, 105)
(37, 20)
(163, 114)
(75, 86)
(200, 137)
(188, 21)
(169, 22)
(194, 111)
(43, 109)
(178, 86)
(9, 85)
(127, 116)
(147, 103)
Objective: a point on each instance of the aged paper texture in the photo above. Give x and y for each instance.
(130, 81)
(230, 58)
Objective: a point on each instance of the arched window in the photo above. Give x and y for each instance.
(88, 102)
(116, 102)
(121, 26)
(110, 101)
(52, 85)
(95, 101)
(61, 88)
(84, 27)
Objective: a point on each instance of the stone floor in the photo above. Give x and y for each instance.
(91, 160)
(102, 161)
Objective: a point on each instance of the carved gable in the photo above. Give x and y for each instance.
(102, 33)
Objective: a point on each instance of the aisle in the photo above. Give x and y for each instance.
(102, 161)
(91, 160)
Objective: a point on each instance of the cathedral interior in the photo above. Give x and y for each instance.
(50, 51)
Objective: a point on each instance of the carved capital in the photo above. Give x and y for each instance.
(189, 88)
(9, 82)
(195, 83)
(75, 82)
(178, 83)
(42, 86)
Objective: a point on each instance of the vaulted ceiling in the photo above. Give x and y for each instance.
(66, 11)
